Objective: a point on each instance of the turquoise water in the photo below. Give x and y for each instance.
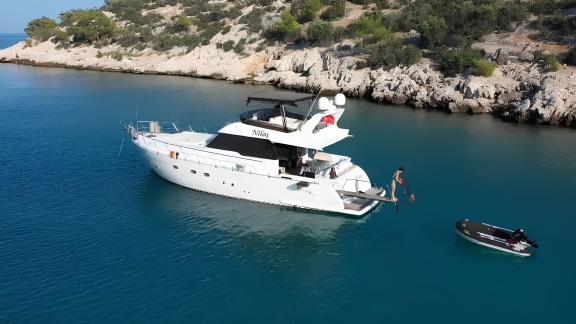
(87, 236)
(7, 40)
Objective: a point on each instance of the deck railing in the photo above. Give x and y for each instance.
(151, 126)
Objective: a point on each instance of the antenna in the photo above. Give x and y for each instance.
(310, 110)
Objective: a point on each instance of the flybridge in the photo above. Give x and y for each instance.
(276, 118)
(279, 125)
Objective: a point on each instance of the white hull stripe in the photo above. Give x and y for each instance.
(523, 254)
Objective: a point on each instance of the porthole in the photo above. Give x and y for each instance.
(193, 171)
(232, 184)
(206, 175)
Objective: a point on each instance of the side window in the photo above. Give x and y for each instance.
(247, 146)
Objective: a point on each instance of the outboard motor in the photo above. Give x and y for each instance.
(519, 236)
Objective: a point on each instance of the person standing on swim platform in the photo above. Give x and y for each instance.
(396, 178)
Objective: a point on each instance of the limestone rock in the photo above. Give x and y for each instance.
(518, 90)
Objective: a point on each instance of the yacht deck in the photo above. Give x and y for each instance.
(359, 201)
(185, 139)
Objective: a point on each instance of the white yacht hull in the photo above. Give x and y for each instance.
(282, 190)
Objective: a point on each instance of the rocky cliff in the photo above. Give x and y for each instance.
(518, 91)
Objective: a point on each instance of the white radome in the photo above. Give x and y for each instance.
(340, 99)
(324, 104)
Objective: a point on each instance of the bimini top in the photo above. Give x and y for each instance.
(278, 125)
(284, 101)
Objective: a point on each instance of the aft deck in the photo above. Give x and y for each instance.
(360, 200)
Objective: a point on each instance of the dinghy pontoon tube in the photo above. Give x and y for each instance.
(502, 239)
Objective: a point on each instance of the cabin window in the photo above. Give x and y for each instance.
(247, 146)
(175, 167)
(206, 175)
(193, 171)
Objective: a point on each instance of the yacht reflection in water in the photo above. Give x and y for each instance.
(242, 218)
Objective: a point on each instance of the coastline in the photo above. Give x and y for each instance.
(517, 92)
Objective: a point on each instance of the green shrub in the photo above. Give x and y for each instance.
(370, 29)
(305, 10)
(117, 56)
(555, 28)
(547, 61)
(260, 47)
(228, 45)
(41, 29)
(189, 41)
(433, 31)
(127, 38)
(165, 41)
(465, 21)
(452, 62)
(287, 29)
(183, 23)
(483, 67)
(410, 54)
(335, 11)
(62, 38)
(210, 31)
(88, 26)
(551, 63)
(383, 4)
(253, 20)
(509, 12)
(99, 55)
(571, 57)
(319, 33)
(239, 47)
(393, 53)
(233, 13)
(131, 10)
(180, 24)
(226, 30)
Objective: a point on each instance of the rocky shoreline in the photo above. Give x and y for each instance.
(518, 91)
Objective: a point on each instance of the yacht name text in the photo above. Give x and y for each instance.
(260, 133)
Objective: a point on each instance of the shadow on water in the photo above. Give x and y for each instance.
(240, 218)
(474, 251)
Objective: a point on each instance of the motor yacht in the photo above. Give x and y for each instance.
(275, 155)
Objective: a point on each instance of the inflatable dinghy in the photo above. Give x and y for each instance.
(502, 239)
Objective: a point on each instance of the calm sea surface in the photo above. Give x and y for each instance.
(7, 40)
(87, 236)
